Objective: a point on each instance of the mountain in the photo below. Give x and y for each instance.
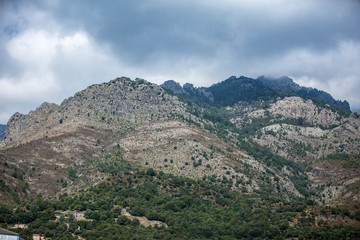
(287, 85)
(141, 125)
(130, 122)
(282, 84)
(226, 157)
(233, 90)
(225, 93)
(2, 131)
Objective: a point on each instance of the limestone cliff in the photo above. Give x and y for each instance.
(117, 103)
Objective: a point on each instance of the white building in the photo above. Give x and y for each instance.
(8, 235)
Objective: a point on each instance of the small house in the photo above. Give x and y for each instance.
(8, 235)
(37, 237)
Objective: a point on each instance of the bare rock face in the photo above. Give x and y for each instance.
(19, 124)
(320, 131)
(296, 107)
(301, 131)
(117, 102)
(188, 90)
(174, 87)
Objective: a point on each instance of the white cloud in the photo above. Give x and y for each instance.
(33, 48)
(54, 66)
(51, 49)
(28, 87)
(333, 71)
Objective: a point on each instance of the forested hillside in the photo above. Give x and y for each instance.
(182, 208)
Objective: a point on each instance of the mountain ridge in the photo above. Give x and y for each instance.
(138, 123)
(233, 90)
(125, 152)
(97, 104)
(287, 85)
(2, 131)
(150, 128)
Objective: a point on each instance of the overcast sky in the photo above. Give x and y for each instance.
(51, 49)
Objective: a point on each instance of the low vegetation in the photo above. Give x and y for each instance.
(191, 209)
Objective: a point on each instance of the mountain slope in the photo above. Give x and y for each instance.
(126, 124)
(315, 129)
(123, 205)
(301, 131)
(115, 125)
(119, 103)
(2, 131)
(122, 155)
(42, 149)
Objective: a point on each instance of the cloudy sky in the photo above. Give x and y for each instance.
(52, 48)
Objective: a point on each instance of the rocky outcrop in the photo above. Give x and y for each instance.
(282, 84)
(174, 87)
(201, 92)
(117, 103)
(188, 90)
(305, 111)
(296, 107)
(2, 131)
(20, 124)
(287, 85)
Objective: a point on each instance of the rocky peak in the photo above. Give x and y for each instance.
(101, 105)
(174, 87)
(190, 87)
(283, 84)
(188, 90)
(287, 85)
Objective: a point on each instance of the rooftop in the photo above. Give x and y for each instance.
(7, 232)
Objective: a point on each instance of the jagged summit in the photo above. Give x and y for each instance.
(235, 89)
(174, 87)
(108, 104)
(287, 85)
(282, 84)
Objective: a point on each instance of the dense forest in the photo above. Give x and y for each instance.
(188, 209)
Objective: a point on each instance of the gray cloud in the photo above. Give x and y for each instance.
(50, 49)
